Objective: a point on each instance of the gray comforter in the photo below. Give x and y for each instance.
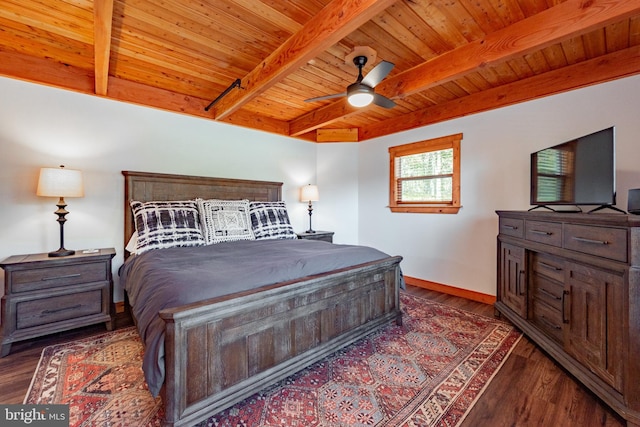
(165, 278)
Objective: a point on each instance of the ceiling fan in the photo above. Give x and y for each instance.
(361, 93)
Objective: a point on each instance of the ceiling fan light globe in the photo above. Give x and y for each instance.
(359, 95)
(360, 99)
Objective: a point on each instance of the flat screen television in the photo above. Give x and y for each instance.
(576, 172)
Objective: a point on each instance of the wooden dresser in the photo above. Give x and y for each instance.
(43, 295)
(571, 282)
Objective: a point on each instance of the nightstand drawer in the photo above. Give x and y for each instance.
(52, 309)
(325, 236)
(63, 275)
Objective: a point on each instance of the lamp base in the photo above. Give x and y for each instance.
(310, 231)
(62, 252)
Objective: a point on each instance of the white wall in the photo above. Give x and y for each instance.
(337, 209)
(460, 250)
(42, 126)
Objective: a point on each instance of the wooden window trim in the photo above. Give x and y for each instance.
(436, 144)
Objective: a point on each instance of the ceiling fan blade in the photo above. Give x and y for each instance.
(378, 73)
(383, 101)
(322, 98)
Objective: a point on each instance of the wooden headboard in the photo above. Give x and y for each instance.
(147, 187)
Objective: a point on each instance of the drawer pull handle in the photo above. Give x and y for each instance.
(61, 309)
(546, 233)
(550, 323)
(68, 276)
(564, 302)
(510, 227)
(549, 294)
(550, 267)
(585, 240)
(519, 282)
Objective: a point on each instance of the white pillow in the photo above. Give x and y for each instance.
(132, 244)
(225, 220)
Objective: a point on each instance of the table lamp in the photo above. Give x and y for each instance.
(60, 182)
(309, 193)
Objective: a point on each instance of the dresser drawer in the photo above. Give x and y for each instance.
(548, 291)
(549, 266)
(548, 319)
(512, 227)
(61, 275)
(605, 242)
(549, 233)
(52, 309)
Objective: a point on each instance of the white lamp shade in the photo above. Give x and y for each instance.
(309, 193)
(60, 182)
(360, 99)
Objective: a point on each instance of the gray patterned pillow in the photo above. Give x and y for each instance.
(270, 220)
(225, 220)
(166, 224)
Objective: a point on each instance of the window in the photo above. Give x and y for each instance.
(555, 174)
(425, 176)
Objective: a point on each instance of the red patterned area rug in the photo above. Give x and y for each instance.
(428, 372)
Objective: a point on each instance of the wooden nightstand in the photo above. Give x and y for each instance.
(326, 236)
(43, 295)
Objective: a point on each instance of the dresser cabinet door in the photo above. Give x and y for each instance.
(513, 283)
(592, 311)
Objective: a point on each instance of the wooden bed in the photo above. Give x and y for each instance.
(221, 351)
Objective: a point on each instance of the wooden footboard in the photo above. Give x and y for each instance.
(222, 351)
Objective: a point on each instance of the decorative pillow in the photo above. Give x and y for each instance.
(166, 224)
(133, 243)
(225, 220)
(269, 220)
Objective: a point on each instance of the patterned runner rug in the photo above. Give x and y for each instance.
(428, 372)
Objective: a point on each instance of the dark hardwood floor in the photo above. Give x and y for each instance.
(16, 369)
(529, 389)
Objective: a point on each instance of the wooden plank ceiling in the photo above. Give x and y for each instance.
(452, 57)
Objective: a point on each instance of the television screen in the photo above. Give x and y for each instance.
(576, 172)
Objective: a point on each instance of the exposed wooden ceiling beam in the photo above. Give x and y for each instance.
(46, 71)
(334, 22)
(568, 19)
(138, 93)
(103, 16)
(52, 73)
(337, 135)
(321, 117)
(612, 66)
(253, 121)
(571, 18)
